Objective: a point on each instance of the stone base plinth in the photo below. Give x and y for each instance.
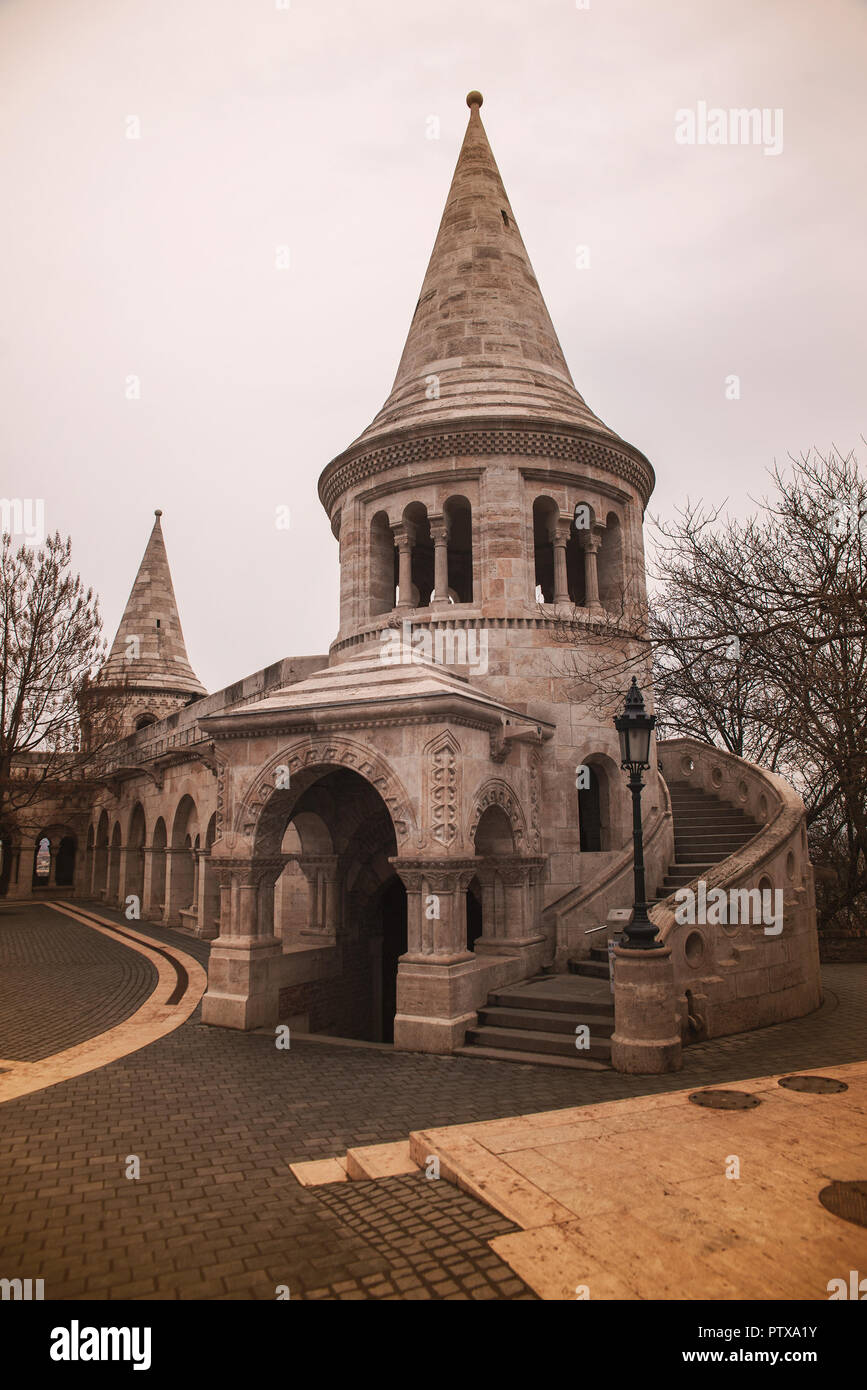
(442, 1035)
(646, 1038)
(243, 983)
(436, 1004)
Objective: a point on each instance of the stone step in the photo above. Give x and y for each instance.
(713, 832)
(379, 1161)
(566, 1000)
(593, 969)
(538, 1020)
(706, 854)
(521, 1040)
(502, 1054)
(568, 1006)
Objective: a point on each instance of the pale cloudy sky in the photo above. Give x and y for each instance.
(307, 126)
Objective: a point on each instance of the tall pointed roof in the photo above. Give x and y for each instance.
(148, 652)
(480, 327)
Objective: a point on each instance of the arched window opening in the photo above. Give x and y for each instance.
(135, 859)
(422, 564)
(610, 564)
(42, 862)
(544, 521)
(590, 814)
(383, 566)
(158, 869)
(144, 721)
(575, 568)
(459, 517)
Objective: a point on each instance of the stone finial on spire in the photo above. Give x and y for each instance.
(474, 99)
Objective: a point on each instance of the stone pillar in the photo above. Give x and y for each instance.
(403, 539)
(561, 577)
(147, 896)
(244, 970)
(519, 931)
(205, 928)
(440, 535)
(435, 977)
(646, 1038)
(321, 872)
(591, 541)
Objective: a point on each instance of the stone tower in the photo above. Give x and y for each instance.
(147, 674)
(487, 503)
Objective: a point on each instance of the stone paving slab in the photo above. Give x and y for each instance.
(636, 1199)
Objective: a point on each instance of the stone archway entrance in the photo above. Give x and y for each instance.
(329, 839)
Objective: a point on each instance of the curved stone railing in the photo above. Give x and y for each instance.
(730, 975)
(567, 921)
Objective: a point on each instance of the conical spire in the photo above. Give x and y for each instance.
(481, 343)
(148, 652)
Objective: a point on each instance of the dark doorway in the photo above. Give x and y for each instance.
(394, 945)
(590, 815)
(474, 912)
(5, 863)
(64, 865)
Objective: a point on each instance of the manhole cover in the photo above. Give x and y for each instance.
(818, 1085)
(724, 1100)
(847, 1200)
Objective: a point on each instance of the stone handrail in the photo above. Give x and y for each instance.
(731, 976)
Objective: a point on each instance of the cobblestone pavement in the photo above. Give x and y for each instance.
(215, 1116)
(62, 983)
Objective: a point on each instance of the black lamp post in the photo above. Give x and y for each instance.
(634, 726)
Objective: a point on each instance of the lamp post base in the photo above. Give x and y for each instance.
(646, 1039)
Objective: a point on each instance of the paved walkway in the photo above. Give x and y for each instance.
(215, 1117)
(92, 983)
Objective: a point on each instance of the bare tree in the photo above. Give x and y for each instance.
(756, 633)
(50, 644)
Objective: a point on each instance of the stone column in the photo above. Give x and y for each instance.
(519, 931)
(435, 1001)
(403, 539)
(147, 895)
(321, 872)
(591, 541)
(440, 535)
(560, 540)
(244, 970)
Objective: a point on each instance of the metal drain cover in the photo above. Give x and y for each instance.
(724, 1100)
(818, 1085)
(847, 1200)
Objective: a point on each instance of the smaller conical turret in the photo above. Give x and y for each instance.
(147, 672)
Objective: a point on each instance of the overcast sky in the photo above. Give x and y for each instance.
(307, 127)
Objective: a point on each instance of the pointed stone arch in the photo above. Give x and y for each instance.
(496, 792)
(311, 751)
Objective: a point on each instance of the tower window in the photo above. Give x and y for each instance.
(158, 622)
(505, 217)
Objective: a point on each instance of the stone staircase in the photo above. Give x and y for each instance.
(536, 1021)
(706, 830)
